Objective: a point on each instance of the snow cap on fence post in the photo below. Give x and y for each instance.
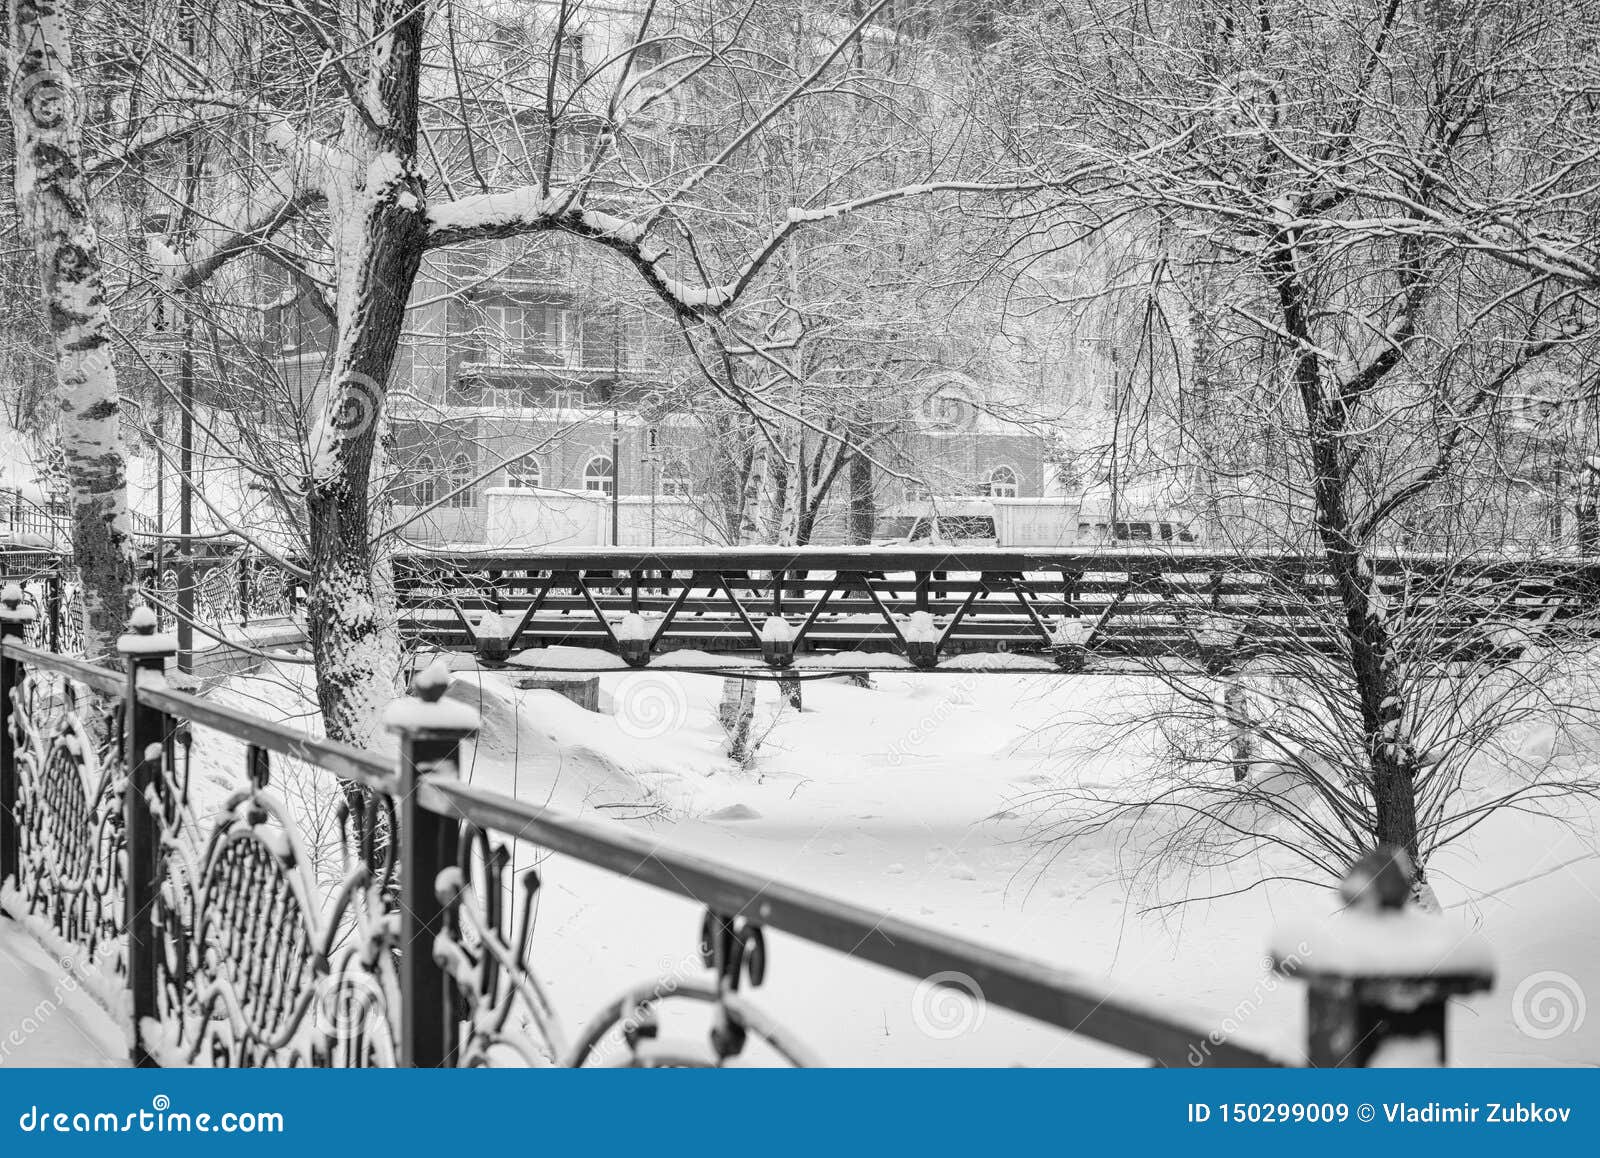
(15, 612)
(425, 711)
(1380, 971)
(142, 644)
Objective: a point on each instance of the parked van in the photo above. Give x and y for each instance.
(1086, 521)
(952, 521)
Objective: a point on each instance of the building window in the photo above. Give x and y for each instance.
(520, 332)
(1002, 483)
(458, 485)
(422, 482)
(527, 474)
(569, 60)
(675, 484)
(598, 475)
(647, 56)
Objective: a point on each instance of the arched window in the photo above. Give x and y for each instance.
(457, 484)
(527, 474)
(422, 481)
(598, 475)
(1002, 483)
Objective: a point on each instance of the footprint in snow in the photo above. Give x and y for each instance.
(963, 872)
(895, 869)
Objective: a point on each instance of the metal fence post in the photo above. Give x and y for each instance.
(15, 614)
(52, 601)
(1379, 974)
(148, 733)
(431, 730)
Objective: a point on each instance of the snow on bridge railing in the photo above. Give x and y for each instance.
(231, 939)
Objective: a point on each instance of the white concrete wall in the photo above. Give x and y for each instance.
(520, 518)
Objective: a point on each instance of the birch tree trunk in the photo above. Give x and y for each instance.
(53, 204)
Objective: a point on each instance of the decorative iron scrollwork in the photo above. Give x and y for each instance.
(258, 971)
(69, 817)
(507, 1016)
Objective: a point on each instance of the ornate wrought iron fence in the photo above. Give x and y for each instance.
(215, 936)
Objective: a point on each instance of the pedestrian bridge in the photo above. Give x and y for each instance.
(799, 611)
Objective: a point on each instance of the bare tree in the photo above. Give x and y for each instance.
(1323, 169)
(327, 156)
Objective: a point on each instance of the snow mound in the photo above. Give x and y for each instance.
(539, 746)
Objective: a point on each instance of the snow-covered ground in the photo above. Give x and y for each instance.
(47, 1017)
(911, 797)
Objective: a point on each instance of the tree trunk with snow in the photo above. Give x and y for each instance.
(380, 234)
(53, 203)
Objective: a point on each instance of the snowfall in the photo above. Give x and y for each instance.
(918, 796)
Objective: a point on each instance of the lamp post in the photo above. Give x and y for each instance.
(186, 498)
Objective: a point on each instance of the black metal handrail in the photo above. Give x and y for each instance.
(1055, 996)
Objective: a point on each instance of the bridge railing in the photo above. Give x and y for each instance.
(227, 933)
